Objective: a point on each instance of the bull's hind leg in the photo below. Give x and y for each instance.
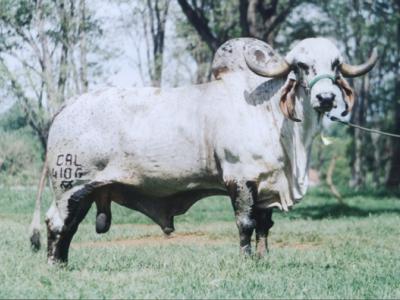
(242, 195)
(264, 222)
(61, 227)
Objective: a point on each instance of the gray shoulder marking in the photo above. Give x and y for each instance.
(264, 92)
(230, 157)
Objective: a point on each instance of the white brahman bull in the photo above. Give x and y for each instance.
(159, 151)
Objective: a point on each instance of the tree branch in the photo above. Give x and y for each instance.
(278, 19)
(244, 24)
(200, 23)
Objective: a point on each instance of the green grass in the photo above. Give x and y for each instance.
(318, 250)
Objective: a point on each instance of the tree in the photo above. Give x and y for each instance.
(146, 23)
(217, 21)
(43, 55)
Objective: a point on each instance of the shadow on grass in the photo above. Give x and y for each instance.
(346, 192)
(319, 204)
(335, 211)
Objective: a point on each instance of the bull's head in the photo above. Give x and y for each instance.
(316, 65)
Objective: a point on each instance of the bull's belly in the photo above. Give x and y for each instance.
(150, 173)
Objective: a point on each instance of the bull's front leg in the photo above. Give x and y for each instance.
(243, 196)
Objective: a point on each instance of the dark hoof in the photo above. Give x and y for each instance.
(102, 223)
(35, 240)
(168, 230)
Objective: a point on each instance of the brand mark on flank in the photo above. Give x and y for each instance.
(68, 169)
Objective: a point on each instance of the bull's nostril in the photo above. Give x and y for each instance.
(326, 97)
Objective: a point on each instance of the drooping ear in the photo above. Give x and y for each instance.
(288, 100)
(348, 93)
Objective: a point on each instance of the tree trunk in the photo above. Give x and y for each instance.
(65, 28)
(393, 180)
(377, 163)
(82, 48)
(244, 25)
(45, 60)
(157, 18)
(358, 117)
(197, 19)
(357, 178)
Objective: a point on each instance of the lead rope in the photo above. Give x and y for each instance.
(332, 118)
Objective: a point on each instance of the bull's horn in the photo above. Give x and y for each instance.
(271, 69)
(354, 71)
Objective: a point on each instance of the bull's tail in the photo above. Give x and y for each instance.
(34, 229)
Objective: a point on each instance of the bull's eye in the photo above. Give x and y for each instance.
(335, 64)
(303, 66)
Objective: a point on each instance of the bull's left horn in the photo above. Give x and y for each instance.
(354, 71)
(264, 61)
(273, 68)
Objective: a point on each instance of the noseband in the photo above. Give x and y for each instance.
(312, 82)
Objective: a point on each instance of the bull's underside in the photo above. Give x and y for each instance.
(161, 209)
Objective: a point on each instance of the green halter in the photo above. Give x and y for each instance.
(319, 77)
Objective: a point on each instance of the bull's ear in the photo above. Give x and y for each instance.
(348, 93)
(288, 100)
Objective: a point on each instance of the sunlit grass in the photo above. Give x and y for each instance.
(318, 250)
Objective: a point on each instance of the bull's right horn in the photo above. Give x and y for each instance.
(264, 61)
(354, 71)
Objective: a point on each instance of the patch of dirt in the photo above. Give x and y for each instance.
(298, 246)
(185, 238)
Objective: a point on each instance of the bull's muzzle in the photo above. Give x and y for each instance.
(326, 102)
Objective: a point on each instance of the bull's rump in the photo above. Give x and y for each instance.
(135, 137)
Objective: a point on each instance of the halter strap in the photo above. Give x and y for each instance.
(319, 77)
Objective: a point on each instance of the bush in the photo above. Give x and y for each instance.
(20, 157)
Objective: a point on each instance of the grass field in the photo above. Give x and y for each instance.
(318, 250)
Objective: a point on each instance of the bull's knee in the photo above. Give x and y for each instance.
(243, 195)
(245, 222)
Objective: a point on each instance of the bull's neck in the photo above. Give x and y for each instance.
(296, 139)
